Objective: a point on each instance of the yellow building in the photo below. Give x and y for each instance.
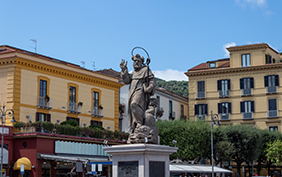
(40, 88)
(242, 89)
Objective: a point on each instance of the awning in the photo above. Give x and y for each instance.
(22, 161)
(72, 159)
(196, 168)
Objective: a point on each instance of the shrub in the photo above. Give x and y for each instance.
(18, 125)
(48, 126)
(70, 122)
(97, 127)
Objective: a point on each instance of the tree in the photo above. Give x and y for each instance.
(274, 152)
(266, 138)
(193, 138)
(246, 141)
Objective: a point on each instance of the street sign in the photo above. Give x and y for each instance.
(93, 168)
(99, 167)
(22, 169)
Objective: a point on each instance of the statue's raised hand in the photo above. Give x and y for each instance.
(123, 64)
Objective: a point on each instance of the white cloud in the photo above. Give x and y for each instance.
(170, 74)
(226, 52)
(252, 3)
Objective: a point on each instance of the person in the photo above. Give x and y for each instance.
(142, 86)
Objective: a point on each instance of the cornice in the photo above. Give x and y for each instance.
(248, 47)
(234, 70)
(59, 72)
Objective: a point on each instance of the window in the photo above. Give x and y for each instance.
(271, 82)
(43, 88)
(246, 85)
(95, 103)
(43, 117)
(223, 87)
(171, 113)
(212, 65)
(93, 122)
(72, 99)
(247, 109)
(273, 128)
(272, 108)
(201, 110)
(224, 109)
(268, 59)
(201, 89)
(246, 60)
(182, 110)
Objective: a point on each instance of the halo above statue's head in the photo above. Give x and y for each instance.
(137, 56)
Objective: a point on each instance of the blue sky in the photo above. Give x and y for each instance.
(178, 35)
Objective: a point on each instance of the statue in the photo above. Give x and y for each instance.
(141, 109)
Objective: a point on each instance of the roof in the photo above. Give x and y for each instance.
(110, 72)
(195, 168)
(172, 94)
(249, 47)
(205, 65)
(9, 49)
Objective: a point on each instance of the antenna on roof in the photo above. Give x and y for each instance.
(93, 65)
(83, 64)
(35, 44)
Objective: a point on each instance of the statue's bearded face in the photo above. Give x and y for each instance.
(137, 63)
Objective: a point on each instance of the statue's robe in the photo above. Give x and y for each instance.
(137, 97)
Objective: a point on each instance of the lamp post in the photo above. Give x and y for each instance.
(4, 112)
(214, 117)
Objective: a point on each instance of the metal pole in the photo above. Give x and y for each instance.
(2, 142)
(212, 144)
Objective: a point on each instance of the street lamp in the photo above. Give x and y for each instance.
(214, 120)
(4, 112)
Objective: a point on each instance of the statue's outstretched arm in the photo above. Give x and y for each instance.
(124, 72)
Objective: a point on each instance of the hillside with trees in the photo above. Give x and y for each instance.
(180, 87)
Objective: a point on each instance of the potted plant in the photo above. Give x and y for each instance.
(100, 106)
(80, 103)
(47, 98)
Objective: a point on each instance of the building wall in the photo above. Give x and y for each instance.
(257, 70)
(23, 73)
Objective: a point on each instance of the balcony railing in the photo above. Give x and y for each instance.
(271, 89)
(224, 116)
(171, 115)
(246, 92)
(201, 117)
(247, 115)
(272, 113)
(43, 103)
(74, 108)
(200, 95)
(96, 112)
(223, 93)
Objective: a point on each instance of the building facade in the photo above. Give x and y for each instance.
(242, 89)
(40, 88)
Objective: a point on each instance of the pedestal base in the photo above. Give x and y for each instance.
(140, 160)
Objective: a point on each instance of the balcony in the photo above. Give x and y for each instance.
(247, 115)
(42, 102)
(223, 93)
(200, 95)
(224, 116)
(201, 117)
(271, 90)
(171, 115)
(272, 113)
(97, 112)
(246, 92)
(74, 108)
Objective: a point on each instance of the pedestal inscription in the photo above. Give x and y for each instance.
(156, 169)
(128, 169)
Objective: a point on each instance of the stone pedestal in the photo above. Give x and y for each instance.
(140, 160)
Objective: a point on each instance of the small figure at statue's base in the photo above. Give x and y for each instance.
(144, 134)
